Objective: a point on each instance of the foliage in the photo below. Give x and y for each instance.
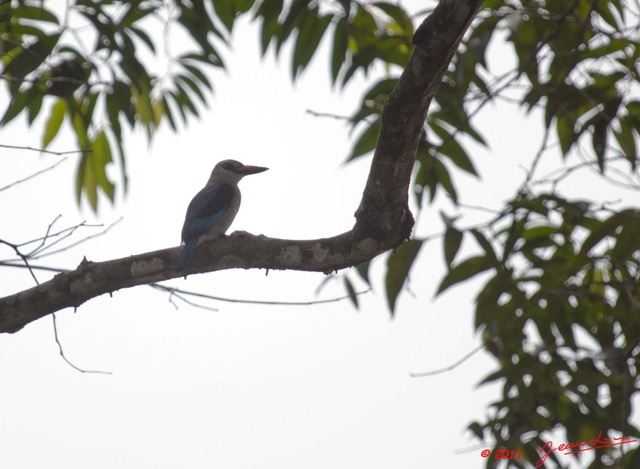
(98, 81)
(559, 305)
(564, 275)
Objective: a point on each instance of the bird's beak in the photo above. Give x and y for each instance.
(246, 169)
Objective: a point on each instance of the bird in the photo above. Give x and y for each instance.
(213, 209)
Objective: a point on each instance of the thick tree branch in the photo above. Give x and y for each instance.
(383, 219)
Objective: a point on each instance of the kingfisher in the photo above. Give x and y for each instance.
(212, 210)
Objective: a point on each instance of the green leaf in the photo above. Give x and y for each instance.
(537, 232)
(480, 38)
(100, 158)
(168, 114)
(119, 101)
(452, 241)
(144, 37)
(496, 375)
(627, 241)
(144, 110)
(85, 183)
(485, 245)
(374, 99)
(226, 12)
(566, 133)
(513, 235)
(606, 228)
(297, 12)
(80, 128)
(464, 271)
(269, 11)
(243, 6)
(196, 21)
(181, 110)
(21, 61)
(84, 176)
(34, 13)
(54, 123)
(351, 291)
(487, 299)
(310, 32)
(398, 267)
(452, 149)
(185, 80)
(604, 11)
(443, 178)
(627, 140)
(367, 140)
(135, 13)
(402, 21)
(363, 271)
(339, 51)
(363, 29)
(34, 106)
(476, 429)
(184, 101)
(197, 73)
(19, 101)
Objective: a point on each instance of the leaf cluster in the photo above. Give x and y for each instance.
(559, 312)
(99, 81)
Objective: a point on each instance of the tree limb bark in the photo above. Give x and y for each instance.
(383, 219)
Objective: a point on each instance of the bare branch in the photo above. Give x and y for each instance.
(25, 259)
(383, 219)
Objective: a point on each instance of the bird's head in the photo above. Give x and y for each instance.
(231, 171)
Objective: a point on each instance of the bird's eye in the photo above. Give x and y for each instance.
(228, 167)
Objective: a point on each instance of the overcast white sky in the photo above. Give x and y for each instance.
(246, 386)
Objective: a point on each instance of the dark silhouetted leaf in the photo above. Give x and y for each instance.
(353, 296)
(310, 32)
(363, 271)
(451, 244)
(464, 271)
(18, 103)
(367, 140)
(398, 266)
(339, 51)
(34, 13)
(22, 61)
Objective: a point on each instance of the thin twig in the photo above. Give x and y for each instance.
(25, 260)
(40, 253)
(326, 114)
(187, 301)
(37, 173)
(46, 235)
(42, 150)
(453, 366)
(81, 370)
(24, 257)
(175, 291)
(467, 356)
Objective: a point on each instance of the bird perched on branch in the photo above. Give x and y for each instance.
(212, 210)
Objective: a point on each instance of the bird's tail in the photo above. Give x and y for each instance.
(186, 254)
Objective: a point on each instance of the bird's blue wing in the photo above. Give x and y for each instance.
(187, 253)
(206, 209)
